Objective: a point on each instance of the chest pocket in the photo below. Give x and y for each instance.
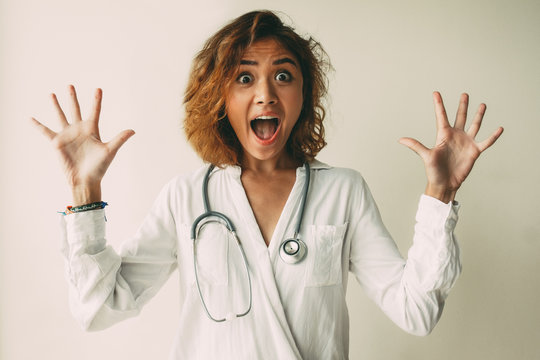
(324, 263)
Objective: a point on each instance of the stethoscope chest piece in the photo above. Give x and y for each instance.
(292, 251)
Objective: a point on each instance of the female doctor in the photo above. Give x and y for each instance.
(265, 238)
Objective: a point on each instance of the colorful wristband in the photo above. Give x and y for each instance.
(86, 207)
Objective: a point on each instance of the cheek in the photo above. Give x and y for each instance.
(296, 96)
(234, 111)
(295, 102)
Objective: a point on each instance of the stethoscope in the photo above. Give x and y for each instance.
(291, 251)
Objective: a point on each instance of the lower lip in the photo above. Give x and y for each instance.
(268, 141)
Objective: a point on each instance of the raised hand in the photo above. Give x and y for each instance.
(84, 157)
(452, 158)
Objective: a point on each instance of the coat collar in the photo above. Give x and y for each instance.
(314, 165)
(318, 165)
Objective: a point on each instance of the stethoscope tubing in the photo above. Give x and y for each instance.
(290, 258)
(247, 274)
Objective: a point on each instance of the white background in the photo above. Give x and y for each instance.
(388, 56)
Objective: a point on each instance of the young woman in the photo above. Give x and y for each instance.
(264, 238)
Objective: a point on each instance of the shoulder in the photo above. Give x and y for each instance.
(339, 188)
(188, 178)
(193, 181)
(184, 183)
(182, 192)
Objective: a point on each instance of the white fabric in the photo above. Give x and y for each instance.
(299, 311)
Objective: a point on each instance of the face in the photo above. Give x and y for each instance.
(265, 100)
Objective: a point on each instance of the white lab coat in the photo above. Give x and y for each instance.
(298, 311)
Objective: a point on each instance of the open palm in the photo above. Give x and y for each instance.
(452, 158)
(84, 157)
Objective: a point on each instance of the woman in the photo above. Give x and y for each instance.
(253, 109)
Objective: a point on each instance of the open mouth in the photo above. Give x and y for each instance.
(265, 127)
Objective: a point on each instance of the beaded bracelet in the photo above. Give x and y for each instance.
(86, 207)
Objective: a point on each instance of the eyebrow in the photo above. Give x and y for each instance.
(284, 60)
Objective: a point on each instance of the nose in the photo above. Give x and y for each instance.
(265, 92)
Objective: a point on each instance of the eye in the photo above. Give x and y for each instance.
(244, 79)
(283, 76)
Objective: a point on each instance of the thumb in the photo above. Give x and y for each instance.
(119, 140)
(414, 145)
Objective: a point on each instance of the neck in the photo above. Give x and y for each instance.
(268, 166)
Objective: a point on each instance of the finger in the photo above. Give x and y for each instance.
(97, 106)
(119, 140)
(415, 146)
(45, 130)
(75, 108)
(61, 116)
(491, 140)
(477, 122)
(461, 116)
(440, 112)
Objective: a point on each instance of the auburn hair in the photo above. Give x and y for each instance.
(213, 70)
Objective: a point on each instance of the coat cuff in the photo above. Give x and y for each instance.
(85, 231)
(432, 211)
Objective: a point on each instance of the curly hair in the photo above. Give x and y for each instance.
(206, 125)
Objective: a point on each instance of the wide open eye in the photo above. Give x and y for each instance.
(244, 78)
(283, 76)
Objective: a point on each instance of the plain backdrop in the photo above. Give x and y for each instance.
(388, 57)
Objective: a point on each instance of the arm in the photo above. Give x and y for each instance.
(410, 292)
(106, 287)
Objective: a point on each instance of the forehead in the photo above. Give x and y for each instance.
(267, 48)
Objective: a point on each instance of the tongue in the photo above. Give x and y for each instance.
(264, 128)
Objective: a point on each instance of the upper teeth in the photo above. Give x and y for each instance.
(265, 117)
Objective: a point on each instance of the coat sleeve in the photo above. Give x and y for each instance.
(106, 287)
(410, 292)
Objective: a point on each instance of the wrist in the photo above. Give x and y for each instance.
(86, 194)
(441, 193)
